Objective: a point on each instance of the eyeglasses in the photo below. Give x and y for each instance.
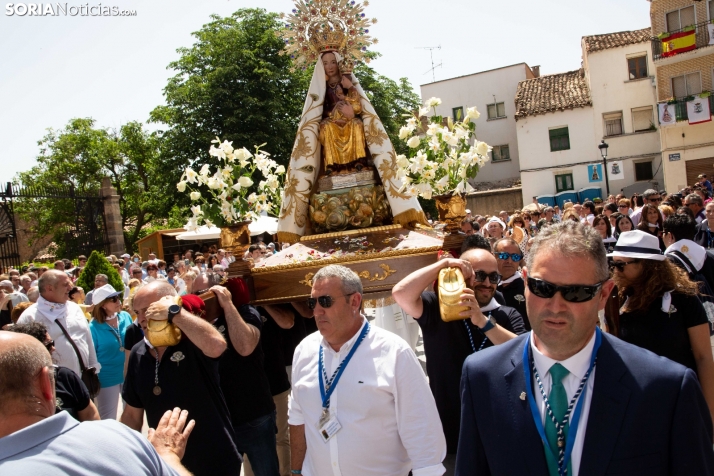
(620, 265)
(481, 276)
(514, 256)
(572, 293)
(325, 301)
(49, 344)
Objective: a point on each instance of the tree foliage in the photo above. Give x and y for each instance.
(98, 264)
(80, 155)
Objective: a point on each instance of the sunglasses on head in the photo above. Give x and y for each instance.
(573, 293)
(620, 265)
(481, 276)
(325, 301)
(502, 255)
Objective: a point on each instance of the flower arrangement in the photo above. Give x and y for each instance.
(220, 194)
(441, 158)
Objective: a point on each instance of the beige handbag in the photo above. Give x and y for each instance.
(451, 285)
(163, 333)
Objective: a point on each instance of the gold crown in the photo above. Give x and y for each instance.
(317, 26)
(326, 36)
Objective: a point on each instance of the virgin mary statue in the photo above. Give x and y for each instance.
(339, 131)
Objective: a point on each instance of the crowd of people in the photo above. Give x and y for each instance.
(571, 321)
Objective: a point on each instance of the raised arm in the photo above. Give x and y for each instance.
(200, 332)
(244, 336)
(283, 316)
(407, 292)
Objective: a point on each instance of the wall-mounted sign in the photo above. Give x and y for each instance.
(674, 157)
(595, 173)
(615, 171)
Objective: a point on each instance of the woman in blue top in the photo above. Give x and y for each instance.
(108, 330)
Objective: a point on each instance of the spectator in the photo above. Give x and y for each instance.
(588, 213)
(509, 258)
(188, 280)
(108, 331)
(82, 261)
(651, 222)
(695, 203)
(18, 310)
(33, 294)
(99, 281)
(623, 224)
(705, 229)
(59, 265)
(602, 225)
(651, 197)
(76, 295)
(36, 440)
(467, 227)
(71, 394)
(57, 312)
(704, 182)
(178, 283)
(152, 271)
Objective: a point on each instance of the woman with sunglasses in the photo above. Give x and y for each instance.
(651, 222)
(602, 225)
(659, 307)
(108, 334)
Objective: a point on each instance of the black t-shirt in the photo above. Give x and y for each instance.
(271, 340)
(71, 393)
(188, 380)
(303, 327)
(134, 335)
(514, 294)
(663, 333)
(243, 381)
(446, 346)
(5, 317)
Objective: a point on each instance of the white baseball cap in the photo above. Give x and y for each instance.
(105, 292)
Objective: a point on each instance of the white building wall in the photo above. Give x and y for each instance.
(479, 90)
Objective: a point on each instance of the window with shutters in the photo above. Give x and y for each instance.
(642, 119)
(559, 139)
(496, 110)
(637, 67)
(686, 85)
(500, 153)
(563, 182)
(681, 18)
(613, 124)
(643, 170)
(458, 113)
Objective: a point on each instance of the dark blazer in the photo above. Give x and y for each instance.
(647, 417)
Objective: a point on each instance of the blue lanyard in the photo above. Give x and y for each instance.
(471, 337)
(575, 419)
(332, 383)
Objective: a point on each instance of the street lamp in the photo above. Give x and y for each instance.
(603, 151)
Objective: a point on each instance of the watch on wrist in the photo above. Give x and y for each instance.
(490, 324)
(173, 310)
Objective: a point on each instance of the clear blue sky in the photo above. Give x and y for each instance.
(113, 69)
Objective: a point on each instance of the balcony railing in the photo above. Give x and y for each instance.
(701, 39)
(680, 108)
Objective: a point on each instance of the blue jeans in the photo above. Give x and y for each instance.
(257, 440)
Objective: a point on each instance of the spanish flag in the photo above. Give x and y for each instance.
(675, 43)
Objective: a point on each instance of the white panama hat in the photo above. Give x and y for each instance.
(637, 244)
(103, 293)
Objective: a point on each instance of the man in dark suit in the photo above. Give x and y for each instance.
(619, 409)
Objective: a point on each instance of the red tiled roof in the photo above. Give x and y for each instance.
(613, 40)
(554, 92)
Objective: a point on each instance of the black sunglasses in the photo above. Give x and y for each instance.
(502, 255)
(325, 301)
(572, 293)
(113, 299)
(49, 344)
(620, 265)
(655, 199)
(481, 276)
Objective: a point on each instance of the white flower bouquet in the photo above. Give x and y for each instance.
(443, 157)
(220, 193)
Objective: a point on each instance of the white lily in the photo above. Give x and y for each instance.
(245, 181)
(191, 175)
(181, 186)
(195, 195)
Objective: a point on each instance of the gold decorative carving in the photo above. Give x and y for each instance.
(452, 211)
(377, 277)
(354, 207)
(346, 259)
(235, 238)
(308, 280)
(342, 234)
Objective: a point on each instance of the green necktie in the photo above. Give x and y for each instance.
(558, 400)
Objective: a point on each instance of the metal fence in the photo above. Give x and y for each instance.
(701, 39)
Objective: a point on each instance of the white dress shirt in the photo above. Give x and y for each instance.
(76, 325)
(577, 365)
(389, 420)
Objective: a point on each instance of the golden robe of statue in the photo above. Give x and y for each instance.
(341, 131)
